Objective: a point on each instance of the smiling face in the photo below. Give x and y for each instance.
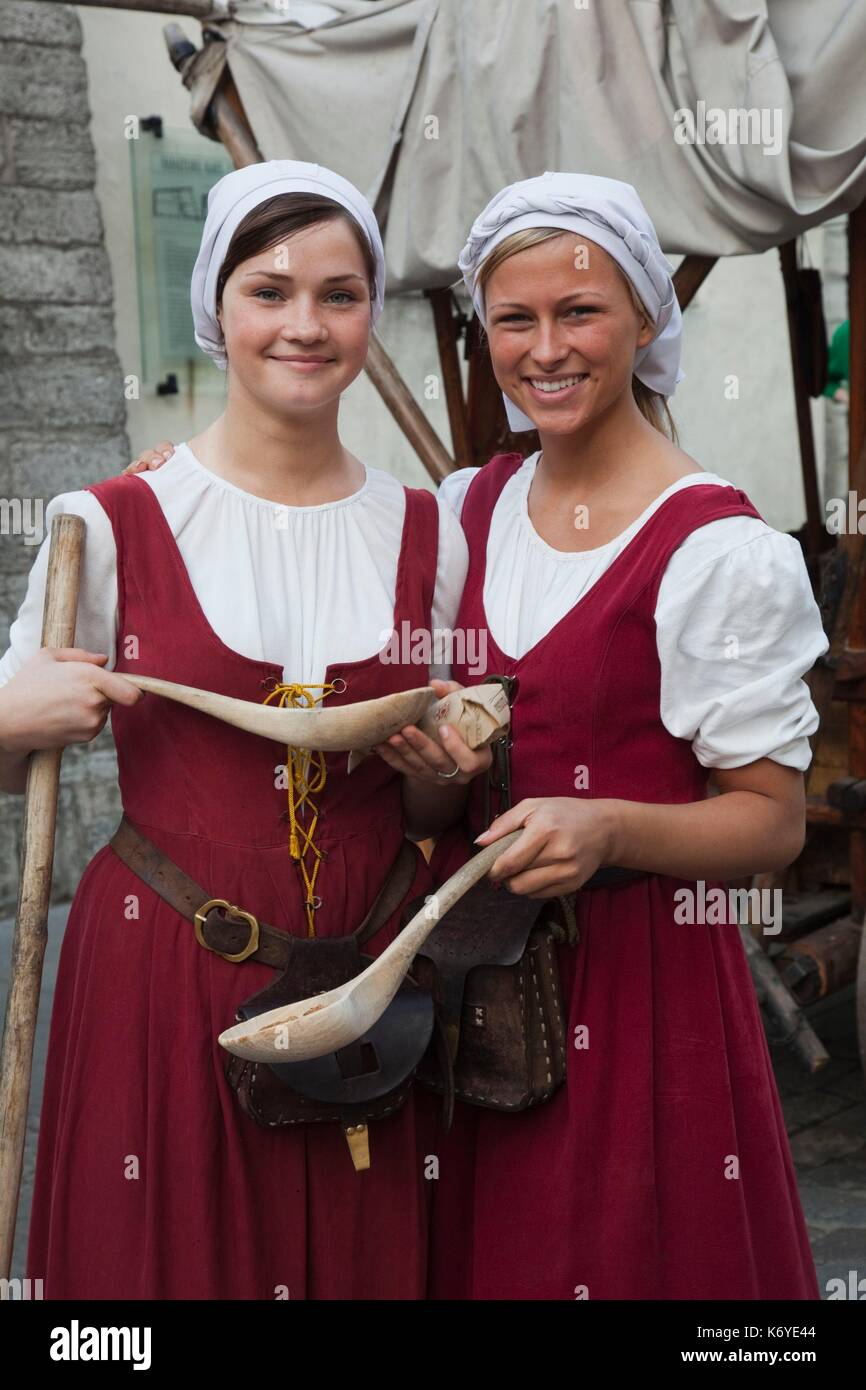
(563, 331)
(296, 318)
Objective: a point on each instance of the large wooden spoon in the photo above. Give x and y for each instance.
(326, 1022)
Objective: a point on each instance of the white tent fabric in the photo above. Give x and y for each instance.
(741, 123)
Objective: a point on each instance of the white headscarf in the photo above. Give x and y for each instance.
(611, 214)
(228, 203)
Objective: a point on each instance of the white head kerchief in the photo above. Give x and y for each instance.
(611, 214)
(228, 203)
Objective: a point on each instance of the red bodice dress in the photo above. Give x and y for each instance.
(150, 1181)
(661, 1169)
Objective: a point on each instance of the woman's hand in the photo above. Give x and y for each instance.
(151, 458)
(757, 824)
(415, 755)
(565, 839)
(60, 696)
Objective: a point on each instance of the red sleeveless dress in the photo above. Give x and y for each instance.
(150, 1180)
(661, 1169)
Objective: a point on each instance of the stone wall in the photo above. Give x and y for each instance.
(62, 414)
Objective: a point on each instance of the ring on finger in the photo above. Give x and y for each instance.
(448, 774)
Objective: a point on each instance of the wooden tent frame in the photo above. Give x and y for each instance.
(479, 429)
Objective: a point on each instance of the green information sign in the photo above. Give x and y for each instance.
(171, 178)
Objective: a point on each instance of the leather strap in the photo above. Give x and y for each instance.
(228, 935)
(392, 893)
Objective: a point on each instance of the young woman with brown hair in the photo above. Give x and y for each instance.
(262, 563)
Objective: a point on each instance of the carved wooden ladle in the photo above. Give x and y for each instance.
(326, 1022)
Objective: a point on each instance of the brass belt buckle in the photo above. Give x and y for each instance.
(251, 946)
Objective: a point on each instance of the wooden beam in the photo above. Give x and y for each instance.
(816, 535)
(798, 1033)
(488, 424)
(216, 10)
(446, 325)
(856, 451)
(842, 590)
(406, 411)
(689, 275)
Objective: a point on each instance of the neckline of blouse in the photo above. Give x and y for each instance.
(526, 472)
(224, 483)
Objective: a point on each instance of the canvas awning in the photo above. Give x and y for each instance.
(431, 106)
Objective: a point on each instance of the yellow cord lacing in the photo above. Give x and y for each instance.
(301, 784)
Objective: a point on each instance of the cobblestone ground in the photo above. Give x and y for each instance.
(826, 1120)
(825, 1115)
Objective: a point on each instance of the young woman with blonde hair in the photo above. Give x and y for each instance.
(658, 630)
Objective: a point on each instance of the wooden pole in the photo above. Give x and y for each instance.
(406, 411)
(689, 275)
(445, 324)
(843, 588)
(37, 861)
(856, 444)
(779, 1002)
(815, 532)
(217, 10)
(488, 424)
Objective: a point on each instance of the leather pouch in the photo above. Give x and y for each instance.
(492, 968)
(367, 1080)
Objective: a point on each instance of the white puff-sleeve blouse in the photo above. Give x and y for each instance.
(306, 586)
(737, 626)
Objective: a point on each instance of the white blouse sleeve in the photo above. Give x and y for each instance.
(452, 490)
(737, 628)
(452, 565)
(96, 622)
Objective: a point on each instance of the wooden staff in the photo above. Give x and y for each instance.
(37, 861)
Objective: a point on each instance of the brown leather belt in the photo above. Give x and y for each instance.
(229, 930)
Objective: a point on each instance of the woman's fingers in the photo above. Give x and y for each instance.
(455, 745)
(444, 688)
(412, 756)
(512, 819)
(72, 654)
(552, 880)
(151, 458)
(449, 750)
(531, 850)
(412, 753)
(524, 853)
(424, 754)
(113, 686)
(394, 759)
